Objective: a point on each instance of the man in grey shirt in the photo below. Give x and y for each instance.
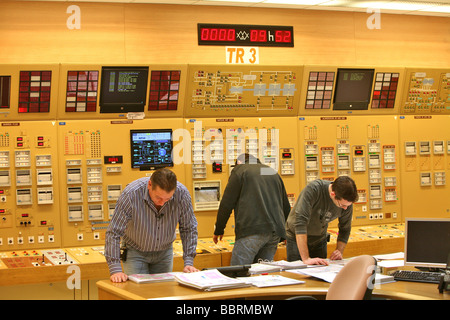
(319, 203)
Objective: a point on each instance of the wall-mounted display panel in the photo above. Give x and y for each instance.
(28, 92)
(95, 162)
(364, 148)
(215, 143)
(161, 91)
(427, 91)
(29, 185)
(336, 90)
(425, 165)
(243, 91)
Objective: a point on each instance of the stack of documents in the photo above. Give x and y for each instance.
(286, 265)
(271, 281)
(328, 273)
(157, 277)
(209, 280)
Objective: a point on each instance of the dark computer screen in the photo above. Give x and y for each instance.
(123, 89)
(151, 148)
(427, 242)
(353, 89)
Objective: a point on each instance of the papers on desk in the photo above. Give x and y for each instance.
(391, 260)
(390, 256)
(271, 281)
(275, 266)
(209, 280)
(286, 265)
(328, 273)
(157, 277)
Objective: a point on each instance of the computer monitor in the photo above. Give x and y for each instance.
(427, 242)
(353, 89)
(151, 148)
(123, 89)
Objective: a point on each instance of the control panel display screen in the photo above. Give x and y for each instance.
(151, 148)
(353, 89)
(123, 89)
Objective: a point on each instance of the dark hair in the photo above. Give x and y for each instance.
(345, 188)
(247, 158)
(165, 179)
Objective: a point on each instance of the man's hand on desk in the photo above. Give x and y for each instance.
(189, 269)
(122, 277)
(118, 277)
(314, 261)
(336, 255)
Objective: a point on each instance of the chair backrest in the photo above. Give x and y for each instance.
(355, 281)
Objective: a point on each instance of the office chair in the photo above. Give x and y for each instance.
(354, 282)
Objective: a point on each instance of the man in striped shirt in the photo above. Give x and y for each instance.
(145, 217)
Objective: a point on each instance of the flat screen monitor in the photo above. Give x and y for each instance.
(151, 148)
(353, 89)
(123, 89)
(427, 242)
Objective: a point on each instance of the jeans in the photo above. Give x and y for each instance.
(317, 247)
(148, 262)
(250, 249)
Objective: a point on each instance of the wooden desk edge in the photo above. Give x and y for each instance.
(34, 275)
(108, 290)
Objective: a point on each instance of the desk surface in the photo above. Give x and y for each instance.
(312, 287)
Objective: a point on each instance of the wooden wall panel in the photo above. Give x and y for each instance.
(36, 32)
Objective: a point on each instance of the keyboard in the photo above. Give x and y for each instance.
(417, 276)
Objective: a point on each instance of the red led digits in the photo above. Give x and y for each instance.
(218, 34)
(245, 35)
(258, 35)
(283, 36)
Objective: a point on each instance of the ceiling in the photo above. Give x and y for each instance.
(428, 8)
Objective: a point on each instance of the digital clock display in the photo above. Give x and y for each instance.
(245, 35)
(113, 159)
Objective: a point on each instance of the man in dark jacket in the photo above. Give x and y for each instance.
(258, 197)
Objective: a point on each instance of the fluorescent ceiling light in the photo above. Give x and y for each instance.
(247, 1)
(444, 9)
(296, 2)
(406, 5)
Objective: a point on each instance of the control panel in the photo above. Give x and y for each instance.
(29, 92)
(67, 150)
(425, 165)
(82, 93)
(333, 90)
(215, 145)
(364, 148)
(95, 163)
(217, 90)
(427, 91)
(29, 185)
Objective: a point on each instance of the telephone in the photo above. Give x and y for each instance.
(444, 283)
